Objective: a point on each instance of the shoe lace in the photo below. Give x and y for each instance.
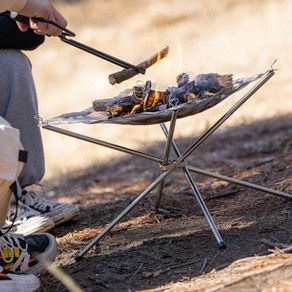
(11, 248)
(22, 213)
(34, 199)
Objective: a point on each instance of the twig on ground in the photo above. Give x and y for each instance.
(274, 244)
(136, 272)
(204, 265)
(226, 194)
(159, 272)
(260, 162)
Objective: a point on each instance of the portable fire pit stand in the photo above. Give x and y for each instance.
(167, 166)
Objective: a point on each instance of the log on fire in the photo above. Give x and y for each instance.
(145, 97)
(126, 74)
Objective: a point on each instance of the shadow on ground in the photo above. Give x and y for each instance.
(147, 250)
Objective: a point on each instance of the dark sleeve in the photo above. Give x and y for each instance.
(12, 38)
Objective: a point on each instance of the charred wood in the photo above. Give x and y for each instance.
(126, 74)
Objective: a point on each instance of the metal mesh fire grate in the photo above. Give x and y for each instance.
(99, 112)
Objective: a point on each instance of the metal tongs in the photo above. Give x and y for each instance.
(68, 33)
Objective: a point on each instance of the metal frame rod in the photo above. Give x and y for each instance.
(122, 215)
(103, 143)
(159, 160)
(167, 148)
(204, 208)
(226, 116)
(239, 182)
(197, 194)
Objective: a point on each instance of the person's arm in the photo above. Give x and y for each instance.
(12, 4)
(36, 8)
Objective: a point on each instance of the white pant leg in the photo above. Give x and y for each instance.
(10, 166)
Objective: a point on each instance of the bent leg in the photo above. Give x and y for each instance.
(18, 105)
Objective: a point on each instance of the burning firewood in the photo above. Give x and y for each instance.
(125, 74)
(143, 98)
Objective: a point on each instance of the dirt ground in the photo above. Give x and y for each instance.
(176, 250)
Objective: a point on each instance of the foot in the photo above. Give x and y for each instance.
(23, 254)
(17, 282)
(58, 212)
(27, 220)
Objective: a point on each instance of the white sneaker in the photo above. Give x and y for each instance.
(28, 221)
(58, 212)
(22, 254)
(17, 282)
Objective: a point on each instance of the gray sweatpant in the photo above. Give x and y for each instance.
(18, 105)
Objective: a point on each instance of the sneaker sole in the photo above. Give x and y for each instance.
(35, 224)
(49, 255)
(64, 214)
(19, 283)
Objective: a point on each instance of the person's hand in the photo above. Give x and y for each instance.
(43, 9)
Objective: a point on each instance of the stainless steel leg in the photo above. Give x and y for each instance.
(102, 143)
(197, 195)
(166, 156)
(122, 214)
(239, 182)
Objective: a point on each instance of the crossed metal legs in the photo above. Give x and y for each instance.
(195, 192)
(166, 169)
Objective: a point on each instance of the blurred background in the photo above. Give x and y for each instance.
(239, 37)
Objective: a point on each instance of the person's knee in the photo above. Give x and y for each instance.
(14, 62)
(16, 82)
